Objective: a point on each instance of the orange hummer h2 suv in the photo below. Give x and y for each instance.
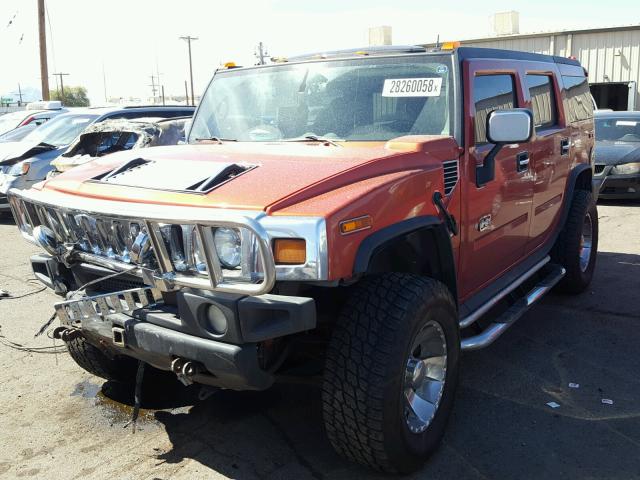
(363, 214)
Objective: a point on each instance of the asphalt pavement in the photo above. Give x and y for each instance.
(56, 421)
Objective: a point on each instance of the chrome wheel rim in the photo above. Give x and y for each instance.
(586, 241)
(424, 377)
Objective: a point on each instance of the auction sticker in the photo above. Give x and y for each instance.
(412, 87)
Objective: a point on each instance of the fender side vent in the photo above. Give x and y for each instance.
(450, 175)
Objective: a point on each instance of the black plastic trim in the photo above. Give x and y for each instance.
(374, 242)
(271, 316)
(465, 53)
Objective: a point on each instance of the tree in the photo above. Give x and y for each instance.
(73, 97)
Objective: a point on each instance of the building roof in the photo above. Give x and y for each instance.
(546, 34)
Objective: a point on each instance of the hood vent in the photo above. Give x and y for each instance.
(173, 175)
(450, 175)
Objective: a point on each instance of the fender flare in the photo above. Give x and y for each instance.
(372, 244)
(572, 180)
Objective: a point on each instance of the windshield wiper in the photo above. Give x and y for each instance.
(216, 139)
(315, 138)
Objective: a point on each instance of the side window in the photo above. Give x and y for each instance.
(491, 92)
(543, 101)
(578, 102)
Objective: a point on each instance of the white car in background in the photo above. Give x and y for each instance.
(35, 113)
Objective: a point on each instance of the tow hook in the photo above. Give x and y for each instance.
(184, 370)
(66, 334)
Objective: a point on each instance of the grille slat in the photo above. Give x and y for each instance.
(450, 175)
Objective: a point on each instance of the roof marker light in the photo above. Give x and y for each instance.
(450, 45)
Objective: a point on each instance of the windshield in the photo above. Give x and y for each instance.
(621, 129)
(9, 121)
(369, 99)
(62, 130)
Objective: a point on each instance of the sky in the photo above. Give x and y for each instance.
(130, 40)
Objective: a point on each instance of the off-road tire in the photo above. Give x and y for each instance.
(363, 397)
(566, 251)
(96, 362)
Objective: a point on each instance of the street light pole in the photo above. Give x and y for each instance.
(188, 39)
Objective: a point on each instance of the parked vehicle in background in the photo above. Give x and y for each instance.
(617, 155)
(370, 213)
(18, 134)
(28, 162)
(36, 112)
(117, 135)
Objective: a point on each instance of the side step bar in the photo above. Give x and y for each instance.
(466, 321)
(508, 318)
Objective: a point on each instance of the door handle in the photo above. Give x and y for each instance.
(522, 162)
(564, 146)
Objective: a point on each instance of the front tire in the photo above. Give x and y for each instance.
(93, 360)
(391, 372)
(577, 246)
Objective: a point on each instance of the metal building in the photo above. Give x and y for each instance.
(610, 55)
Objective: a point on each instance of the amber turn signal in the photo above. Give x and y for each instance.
(355, 224)
(290, 251)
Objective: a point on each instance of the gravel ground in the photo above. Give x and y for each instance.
(60, 422)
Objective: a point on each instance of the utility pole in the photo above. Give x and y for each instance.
(261, 53)
(60, 75)
(162, 89)
(186, 93)
(104, 83)
(19, 95)
(188, 39)
(153, 87)
(42, 34)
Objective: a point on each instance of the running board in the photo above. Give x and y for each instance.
(508, 318)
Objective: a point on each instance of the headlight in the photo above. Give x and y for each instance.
(228, 246)
(626, 169)
(20, 168)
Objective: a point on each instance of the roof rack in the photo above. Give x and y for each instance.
(356, 52)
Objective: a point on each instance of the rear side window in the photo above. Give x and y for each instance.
(578, 102)
(543, 101)
(491, 92)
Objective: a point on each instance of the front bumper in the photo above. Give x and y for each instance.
(220, 333)
(619, 187)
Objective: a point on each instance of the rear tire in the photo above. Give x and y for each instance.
(96, 362)
(375, 409)
(577, 246)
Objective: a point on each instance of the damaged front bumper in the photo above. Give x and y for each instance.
(218, 336)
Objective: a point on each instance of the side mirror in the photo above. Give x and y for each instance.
(509, 126)
(503, 127)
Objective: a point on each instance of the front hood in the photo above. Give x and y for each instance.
(262, 175)
(614, 153)
(13, 152)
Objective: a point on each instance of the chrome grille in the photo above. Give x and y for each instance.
(450, 175)
(176, 254)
